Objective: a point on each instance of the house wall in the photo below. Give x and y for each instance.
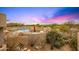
(78, 41)
(1, 35)
(26, 39)
(2, 27)
(2, 20)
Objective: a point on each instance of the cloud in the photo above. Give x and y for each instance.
(62, 19)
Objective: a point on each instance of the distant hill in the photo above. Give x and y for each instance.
(14, 24)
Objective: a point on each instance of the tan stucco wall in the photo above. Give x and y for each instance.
(2, 20)
(2, 27)
(78, 41)
(26, 39)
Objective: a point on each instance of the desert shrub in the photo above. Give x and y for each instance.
(55, 38)
(73, 41)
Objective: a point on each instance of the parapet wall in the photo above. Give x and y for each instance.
(78, 41)
(26, 40)
(2, 20)
(2, 27)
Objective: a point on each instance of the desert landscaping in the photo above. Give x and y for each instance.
(39, 37)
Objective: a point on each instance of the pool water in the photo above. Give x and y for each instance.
(23, 30)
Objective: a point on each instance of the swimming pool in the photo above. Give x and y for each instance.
(21, 30)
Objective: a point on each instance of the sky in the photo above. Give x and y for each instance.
(41, 15)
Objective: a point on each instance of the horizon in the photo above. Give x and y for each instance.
(41, 15)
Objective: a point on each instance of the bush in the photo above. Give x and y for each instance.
(55, 38)
(73, 41)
